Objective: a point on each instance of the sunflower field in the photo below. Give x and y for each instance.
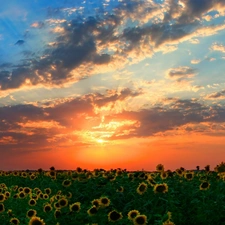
(117, 196)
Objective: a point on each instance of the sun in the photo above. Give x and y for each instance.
(100, 141)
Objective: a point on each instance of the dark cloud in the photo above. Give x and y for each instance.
(20, 42)
(195, 9)
(101, 100)
(161, 119)
(5, 66)
(181, 72)
(21, 124)
(216, 95)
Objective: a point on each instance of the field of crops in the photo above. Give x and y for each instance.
(116, 196)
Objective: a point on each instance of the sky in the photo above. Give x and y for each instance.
(112, 84)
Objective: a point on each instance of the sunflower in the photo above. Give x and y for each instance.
(48, 191)
(179, 172)
(66, 183)
(140, 220)
(31, 213)
(22, 194)
(15, 173)
(36, 221)
(120, 189)
(161, 188)
(26, 190)
(104, 201)
(163, 175)
(7, 194)
(63, 202)
(36, 189)
(24, 174)
(56, 205)
(69, 195)
(32, 202)
(189, 175)
(92, 211)
(32, 176)
(47, 208)
(204, 185)
(14, 221)
(2, 197)
(160, 167)
(52, 174)
(9, 212)
(114, 216)
(132, 214)
(75, 207)
(45, 196)
(15, 187)
(40, 195)
(16, 195)
(96, 202)
(20, 189)
(151, 182)
(57, 213)
(142, 188)
(58, 196)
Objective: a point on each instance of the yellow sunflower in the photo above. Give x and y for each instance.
(36, 221)
(161, 188)
(132, 214)
(140, 220)
(142, 188)
(114, 216)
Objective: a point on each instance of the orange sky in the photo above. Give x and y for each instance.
(187, 151)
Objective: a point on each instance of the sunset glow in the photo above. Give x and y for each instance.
(112, 84)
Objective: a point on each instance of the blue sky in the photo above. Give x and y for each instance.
(145, 71)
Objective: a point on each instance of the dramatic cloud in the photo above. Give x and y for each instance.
(78, 75)
(106, 39)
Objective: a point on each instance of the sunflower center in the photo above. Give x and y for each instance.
(142, 188)
(114, 215)
(140, 220)
(161, 188)
(93, 210)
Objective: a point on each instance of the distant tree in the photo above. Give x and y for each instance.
(197, 167)
(207, 168)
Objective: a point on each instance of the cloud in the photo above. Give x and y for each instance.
(113, 96)
(180, 73)
(170, 118)
(75, 121)
(218, 47)
(194, 41)
(20, 42)
(195, 61)
(54, 122)
(38, 25)
(196, 88)
(80, 46)
(216, 95)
